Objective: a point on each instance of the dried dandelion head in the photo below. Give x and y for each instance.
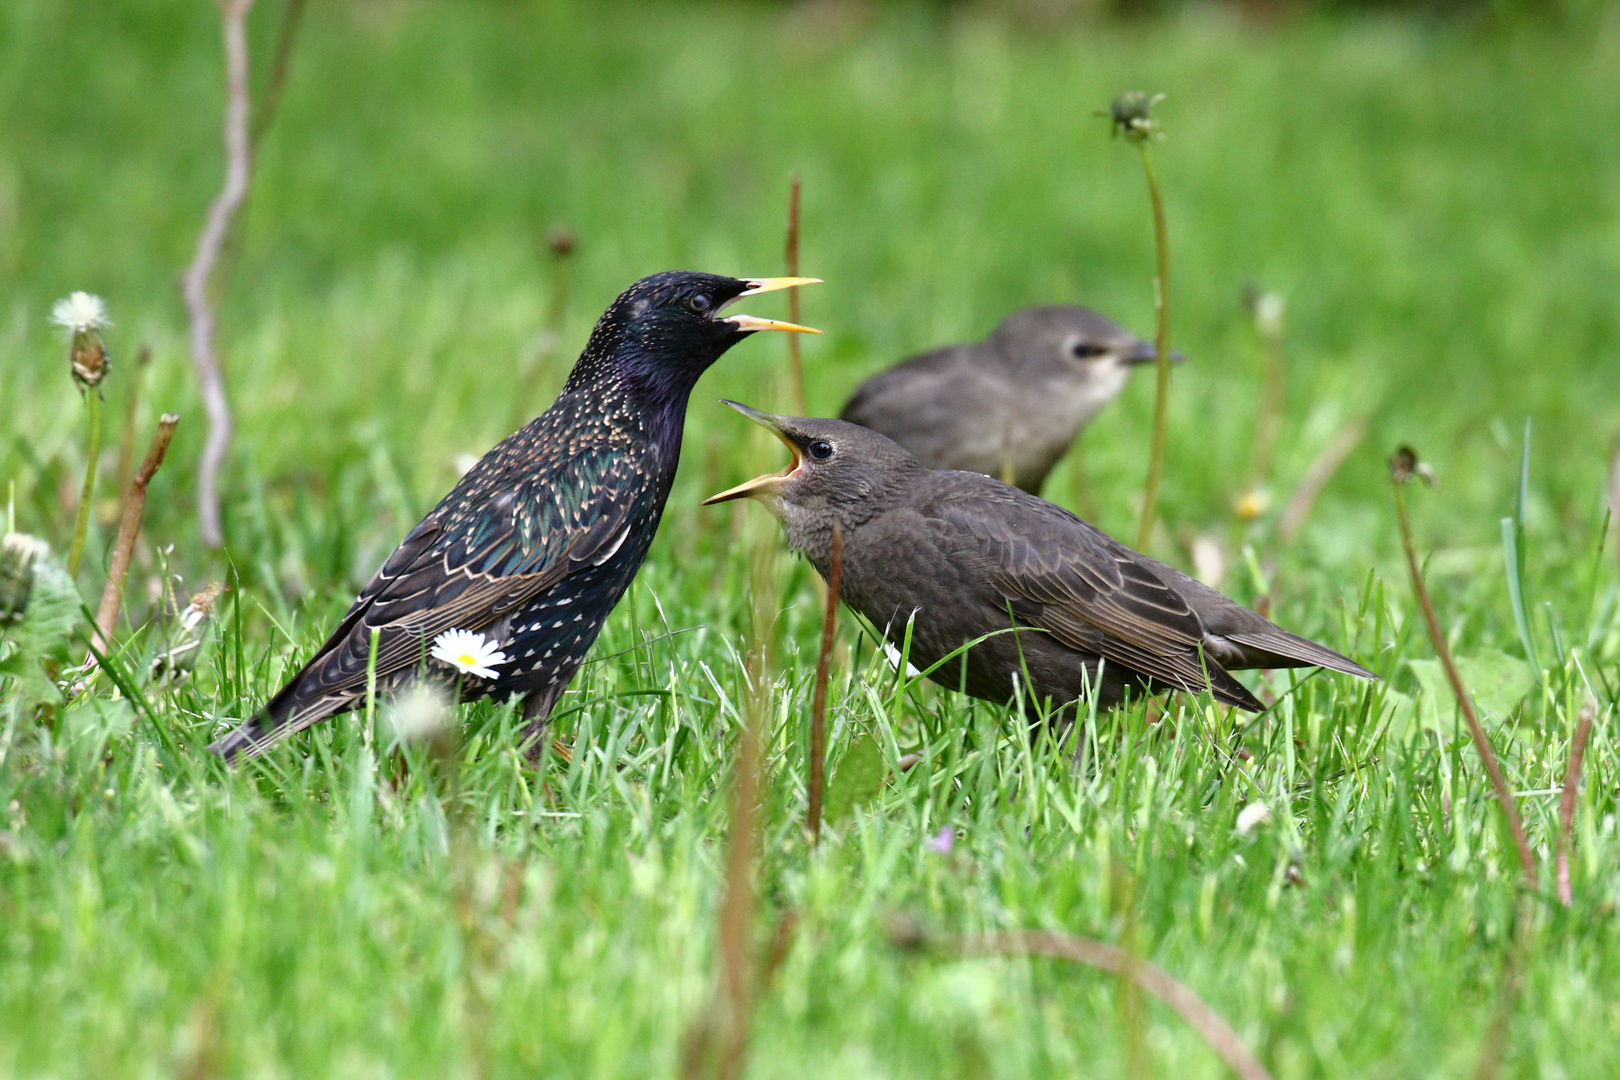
(1404, 467)
(18, 552)
(84, 315)
(1131, 115)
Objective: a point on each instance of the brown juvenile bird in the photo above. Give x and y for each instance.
(960, 555)
(1008, 406)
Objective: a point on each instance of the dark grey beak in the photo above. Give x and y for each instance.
(1143, 352)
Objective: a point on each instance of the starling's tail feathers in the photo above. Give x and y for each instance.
(1279, 649)
(283, 715)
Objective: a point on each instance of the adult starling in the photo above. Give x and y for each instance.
(1008, 406)
(534, 546)
(959, 555)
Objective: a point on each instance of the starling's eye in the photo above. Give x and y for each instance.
(1085, 350)
(701, 303)
(821, 449)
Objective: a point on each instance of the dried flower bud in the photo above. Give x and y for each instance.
(18, 552)
(562, 242)
(1132, 116)
(1268, 309)
(175, 662)
(1404, 466)
(84, 315)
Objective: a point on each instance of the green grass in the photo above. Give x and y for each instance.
(1437, 202)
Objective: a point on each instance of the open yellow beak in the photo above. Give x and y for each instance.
(750, 323)
(770, 483)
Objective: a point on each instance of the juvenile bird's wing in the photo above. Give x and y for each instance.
(941, 406)
(1087, 590)
(519, 522)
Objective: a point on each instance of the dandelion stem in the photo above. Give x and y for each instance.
(1161, 303)
(1482, 742)
(82, 526)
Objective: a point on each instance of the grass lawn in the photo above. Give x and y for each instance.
(1440, 206)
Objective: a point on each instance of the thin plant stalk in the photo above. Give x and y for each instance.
(1161, 341)
(818, 699)
(371, 687)
(194, 283)
(795, 360)
(1566, 804)
(129, 529)
(1403, 467)
(1325, 466)
(81, 527)
(132, 404)
(1208, 1023)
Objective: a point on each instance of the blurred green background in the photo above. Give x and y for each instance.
(1437, 199)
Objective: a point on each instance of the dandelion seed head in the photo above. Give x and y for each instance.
(80, 312)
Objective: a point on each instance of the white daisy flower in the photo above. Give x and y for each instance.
(81, 313)
(468, 652)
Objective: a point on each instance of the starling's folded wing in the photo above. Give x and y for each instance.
(1088, 591)
(498, 540)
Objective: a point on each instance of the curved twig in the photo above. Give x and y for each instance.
(1116, 961)
(194, 283)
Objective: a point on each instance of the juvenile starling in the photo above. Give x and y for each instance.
(1008, 406)
(534, 546)
(960, 555)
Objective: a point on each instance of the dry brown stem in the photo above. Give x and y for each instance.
(1117, 961)
(1566, 805)
(818, 698)
(1402, 468)
(129, 528)
(194, 283)
(795, 361)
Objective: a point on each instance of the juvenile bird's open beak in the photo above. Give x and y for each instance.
(770, 483)
(750, 323)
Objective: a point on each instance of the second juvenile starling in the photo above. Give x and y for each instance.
(504, 586)
(952, 557)
(1008, 406)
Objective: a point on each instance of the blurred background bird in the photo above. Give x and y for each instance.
(949, 557)
(1008, 406)
(503, 587)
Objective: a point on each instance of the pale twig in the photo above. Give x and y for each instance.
(194, 283)
(1403, 467)
(129, 528)
(795, 362)
(818, 698)
(1324, 468)
(1209, 1024)
(1566, 804)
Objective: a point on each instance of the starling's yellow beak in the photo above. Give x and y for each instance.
(770, 483)
(749, 323)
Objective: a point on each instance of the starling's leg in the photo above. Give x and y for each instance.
(537, 707)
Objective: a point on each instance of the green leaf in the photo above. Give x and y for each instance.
(1496, 681)
(858, 778)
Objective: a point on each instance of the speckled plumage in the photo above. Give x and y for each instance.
(960, 555)
(1012, 403)
(540, 539)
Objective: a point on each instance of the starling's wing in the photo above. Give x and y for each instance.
(1089, 592)
(508, 532)
(941, 406)
(1240, 638)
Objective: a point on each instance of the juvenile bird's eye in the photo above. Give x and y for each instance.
(701, 303)
(821, 449)
(1085, 349)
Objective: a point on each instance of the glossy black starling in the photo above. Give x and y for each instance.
(1008, 406)
(539, 540)
(961, 555)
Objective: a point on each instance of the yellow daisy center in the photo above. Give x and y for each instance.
(469, 659)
